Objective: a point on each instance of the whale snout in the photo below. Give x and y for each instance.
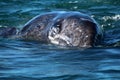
(74, 31)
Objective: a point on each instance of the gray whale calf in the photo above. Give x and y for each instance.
(66, 28)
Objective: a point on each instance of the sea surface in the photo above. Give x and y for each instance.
(32, 60)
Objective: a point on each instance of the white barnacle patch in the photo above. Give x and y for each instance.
(57, 38)
(80, 30)
(52, 35)
(55, 30)
(86, 36)
(65, 38)
(85, 45)
(52, 39)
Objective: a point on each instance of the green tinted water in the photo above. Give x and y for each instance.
(23, 60)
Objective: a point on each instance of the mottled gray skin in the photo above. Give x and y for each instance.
(63, 28)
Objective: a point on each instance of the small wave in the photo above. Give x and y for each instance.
(115, 17)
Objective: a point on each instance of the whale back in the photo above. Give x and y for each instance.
(36, 28)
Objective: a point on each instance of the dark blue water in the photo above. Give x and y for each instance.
(31, 60)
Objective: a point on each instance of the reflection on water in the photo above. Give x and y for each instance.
(30, 60)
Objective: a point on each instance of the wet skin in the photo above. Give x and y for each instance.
(62, 28)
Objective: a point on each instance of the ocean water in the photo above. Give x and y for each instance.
(32, 60)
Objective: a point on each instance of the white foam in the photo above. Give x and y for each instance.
(115, 17)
